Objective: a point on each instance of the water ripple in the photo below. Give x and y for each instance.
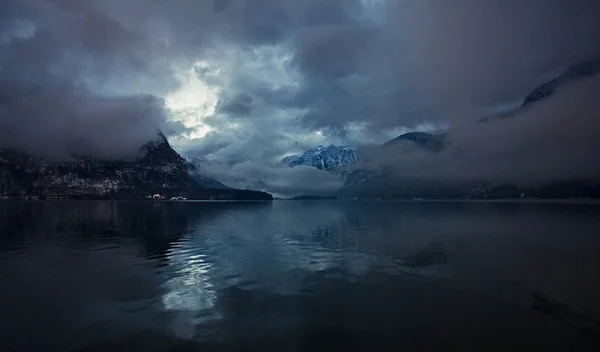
(294, 275)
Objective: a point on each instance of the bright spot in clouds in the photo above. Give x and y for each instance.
(193, 101)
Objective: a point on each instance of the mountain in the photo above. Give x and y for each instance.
(367, 181)
(427, 141)
(158, 169)
(385, 183)
(159, 156)
(323, 158)
(575, 72)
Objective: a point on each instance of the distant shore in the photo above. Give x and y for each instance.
(450, 200)
(507, 200)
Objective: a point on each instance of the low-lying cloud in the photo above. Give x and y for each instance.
(61, 120)
(556, 139)
(56, 56)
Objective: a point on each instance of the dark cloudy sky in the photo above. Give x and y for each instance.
(246, 82)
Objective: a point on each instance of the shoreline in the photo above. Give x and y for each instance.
(503, 200)
(506, 200)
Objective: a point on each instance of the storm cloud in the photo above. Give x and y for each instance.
(239, 105)
(246, 82)
(55, 58)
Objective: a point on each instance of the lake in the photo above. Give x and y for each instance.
(299, 276)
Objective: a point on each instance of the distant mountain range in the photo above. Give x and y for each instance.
(323, 158)
(384, 183)
(159, 169)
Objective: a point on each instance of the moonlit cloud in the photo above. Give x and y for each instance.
(193, 100)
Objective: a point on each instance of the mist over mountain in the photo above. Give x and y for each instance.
(554, 161)
(245, 83)
(299, 175)
(575, 72)
(158, 169)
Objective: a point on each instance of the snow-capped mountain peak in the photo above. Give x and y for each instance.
(323, 158)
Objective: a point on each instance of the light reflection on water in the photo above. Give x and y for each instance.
(299, 275)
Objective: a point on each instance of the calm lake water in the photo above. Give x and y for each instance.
(299, 276)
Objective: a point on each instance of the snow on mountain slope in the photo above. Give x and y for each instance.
(157, 169)
(323, 158)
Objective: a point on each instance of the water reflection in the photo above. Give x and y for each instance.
(297, 275)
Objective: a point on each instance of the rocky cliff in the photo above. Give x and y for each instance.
(157, 170)
(323, 158)
(573, 73)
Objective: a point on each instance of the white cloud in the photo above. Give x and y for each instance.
(193, 101)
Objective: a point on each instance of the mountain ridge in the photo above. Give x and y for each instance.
(573, 73)
(323, 158)
(384, 183)
(158, 169)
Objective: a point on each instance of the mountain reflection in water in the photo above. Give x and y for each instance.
(299, 276)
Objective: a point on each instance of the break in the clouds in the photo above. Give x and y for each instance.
(249, 81)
